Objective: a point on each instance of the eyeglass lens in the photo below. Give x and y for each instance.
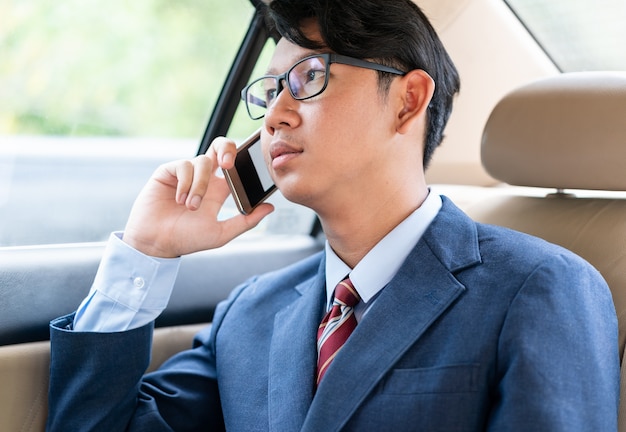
(305, 79)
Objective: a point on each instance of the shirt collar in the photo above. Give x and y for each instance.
(381, 263)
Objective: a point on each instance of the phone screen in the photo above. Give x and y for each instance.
(253, 173)
(250, 181)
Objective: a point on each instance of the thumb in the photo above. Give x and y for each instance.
(241, 223)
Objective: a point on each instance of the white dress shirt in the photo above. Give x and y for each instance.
(130, 289)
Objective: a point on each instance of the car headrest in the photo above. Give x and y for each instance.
(563, 132)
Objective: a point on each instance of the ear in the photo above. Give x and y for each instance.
(417, 88)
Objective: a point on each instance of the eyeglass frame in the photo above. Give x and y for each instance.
(329, 58)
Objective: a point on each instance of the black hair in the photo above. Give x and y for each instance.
(393, 32)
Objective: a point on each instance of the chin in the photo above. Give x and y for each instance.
(296, 191)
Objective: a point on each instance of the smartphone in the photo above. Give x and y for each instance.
(249, 181)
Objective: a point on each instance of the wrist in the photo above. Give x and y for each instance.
(148, 248)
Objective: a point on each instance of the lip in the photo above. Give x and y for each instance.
(281, 153)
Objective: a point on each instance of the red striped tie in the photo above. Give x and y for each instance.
(336, 326)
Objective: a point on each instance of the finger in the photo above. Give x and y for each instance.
(239, 224)
(202, 171)
(223, 150)
(183, 172)
(219, 188)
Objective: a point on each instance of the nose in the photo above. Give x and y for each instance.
(283, 111)
(281, 83)
(280, 86)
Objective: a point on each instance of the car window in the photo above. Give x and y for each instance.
(578, 35)
(94, 96)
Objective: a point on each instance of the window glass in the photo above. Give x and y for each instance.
(578, 34)
(94, 95)
(242, 125)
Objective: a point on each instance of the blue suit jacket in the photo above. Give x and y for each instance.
(482, 328)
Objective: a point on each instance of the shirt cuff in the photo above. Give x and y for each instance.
(130, 289)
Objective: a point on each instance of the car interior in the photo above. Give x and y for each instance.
(529, 146)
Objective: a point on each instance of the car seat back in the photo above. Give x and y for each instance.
(566, 133)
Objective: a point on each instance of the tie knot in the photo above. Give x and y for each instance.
(345, 294)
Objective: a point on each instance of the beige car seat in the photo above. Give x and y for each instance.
(566, 133)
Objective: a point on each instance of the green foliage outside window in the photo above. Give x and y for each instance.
(115, 68)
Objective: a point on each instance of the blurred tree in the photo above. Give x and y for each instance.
(120, 68)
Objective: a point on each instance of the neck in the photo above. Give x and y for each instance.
(352, 234)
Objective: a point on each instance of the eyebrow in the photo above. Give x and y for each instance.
(296, 59)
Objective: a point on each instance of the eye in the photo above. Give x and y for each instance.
(270, 90)
(270, 95)
(307, 78)
(314, 74)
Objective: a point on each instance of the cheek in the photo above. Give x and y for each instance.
(355, 127)
(265, 147)
(359, 111)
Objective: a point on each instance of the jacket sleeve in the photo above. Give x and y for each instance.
(97, 383)
(558, 362)
(94, 377)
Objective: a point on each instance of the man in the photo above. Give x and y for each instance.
(443, 324)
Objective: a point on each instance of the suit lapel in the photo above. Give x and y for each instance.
(421, 291)
(294, 343)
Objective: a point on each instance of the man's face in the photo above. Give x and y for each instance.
(328, 151)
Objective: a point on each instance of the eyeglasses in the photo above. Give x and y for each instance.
(305, 79)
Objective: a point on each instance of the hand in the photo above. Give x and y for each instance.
(176, 212)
